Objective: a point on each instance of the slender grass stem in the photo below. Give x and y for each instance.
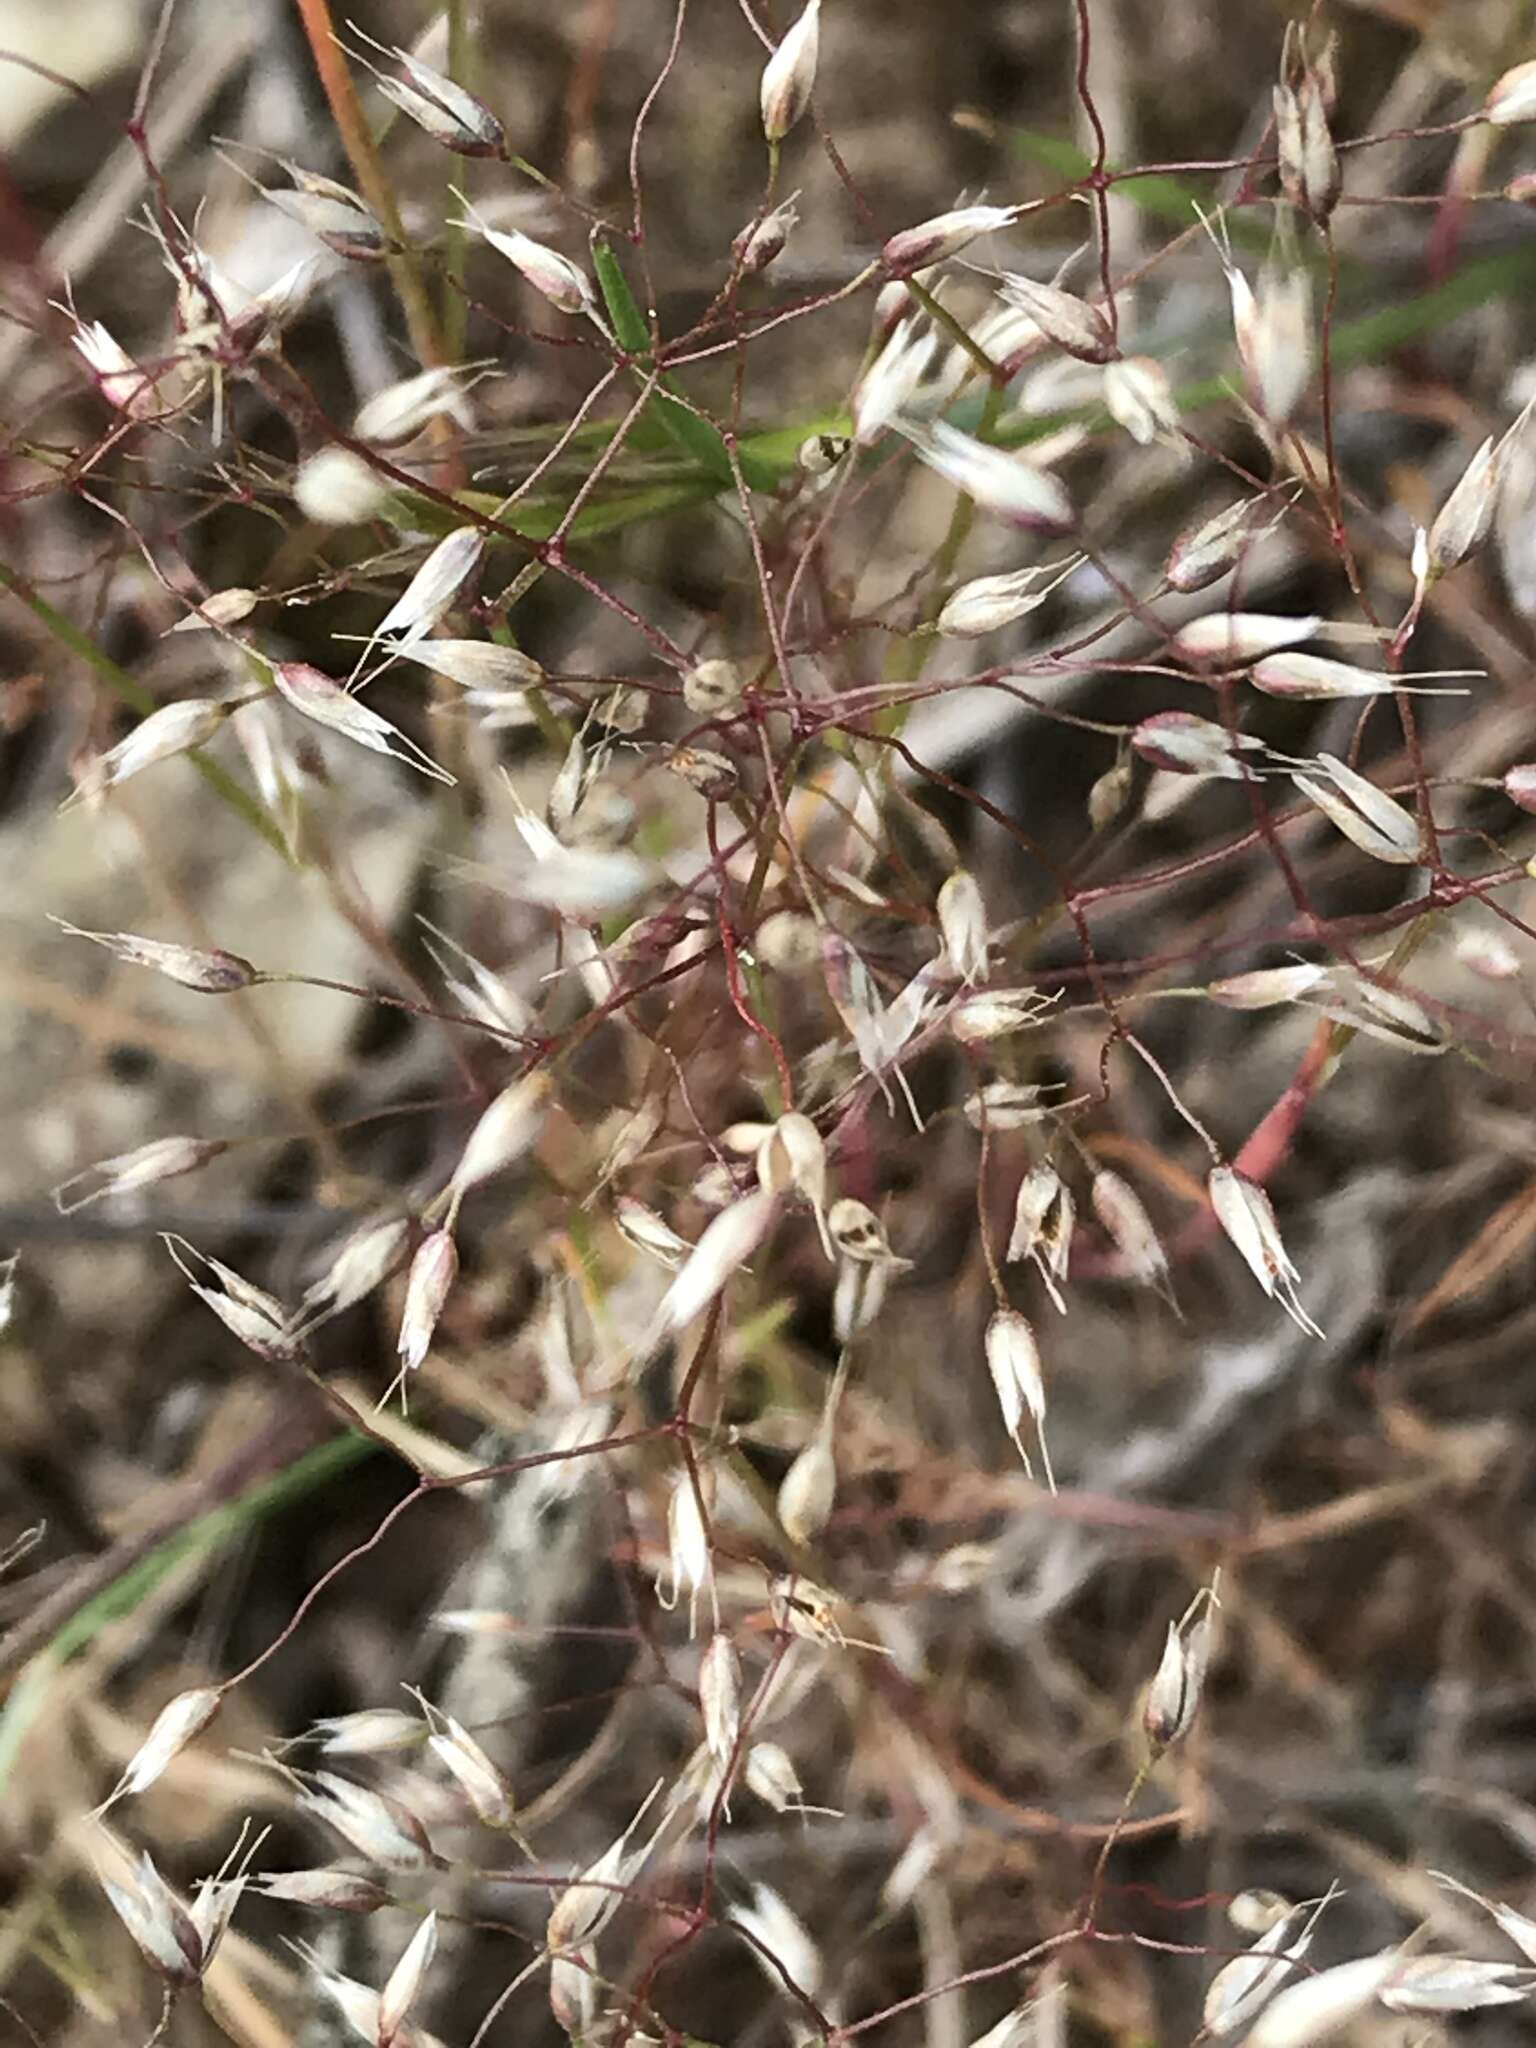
(373, 180)
(135, 695)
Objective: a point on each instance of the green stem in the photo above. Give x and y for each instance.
(204, 1536)
(550, 723)
(960, 335)
(135, 695)
(911, 658)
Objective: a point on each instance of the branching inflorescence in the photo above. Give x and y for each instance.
(736, 930)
